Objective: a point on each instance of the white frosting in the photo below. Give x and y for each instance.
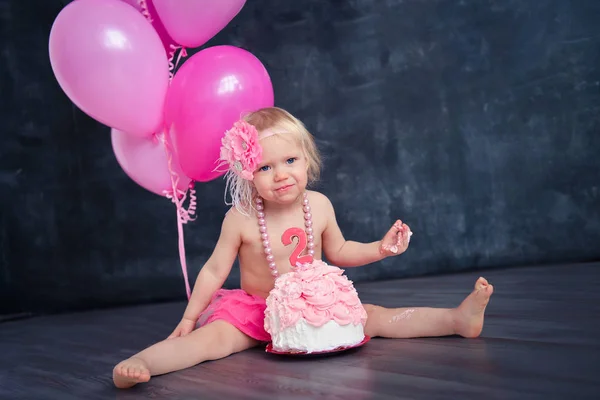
(303, 337)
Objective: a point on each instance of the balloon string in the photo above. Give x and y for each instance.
(172, 48)
(144, 9)
(186, 215)
(178, 197)
(182, 53)
(182, 258)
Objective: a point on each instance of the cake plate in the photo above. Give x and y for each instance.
(269, 349)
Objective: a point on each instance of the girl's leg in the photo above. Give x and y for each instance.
(465, 320)
(211, 342)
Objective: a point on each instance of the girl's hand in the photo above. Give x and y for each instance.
(184, 327)
(396, 241)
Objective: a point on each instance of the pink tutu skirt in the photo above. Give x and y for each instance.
(242, 310)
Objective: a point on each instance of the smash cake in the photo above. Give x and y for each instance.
(314, 308)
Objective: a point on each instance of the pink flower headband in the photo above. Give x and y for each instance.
(241, 150)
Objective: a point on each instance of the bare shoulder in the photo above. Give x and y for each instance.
(322, 208)
(244, 225)
(233, 216)
(319, 201)
(234, 220)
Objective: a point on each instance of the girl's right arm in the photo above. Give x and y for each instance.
(213, 273)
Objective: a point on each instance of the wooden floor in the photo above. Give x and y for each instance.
(541, 340)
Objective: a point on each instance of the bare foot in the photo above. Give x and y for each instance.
(469, 315)
(130, 372)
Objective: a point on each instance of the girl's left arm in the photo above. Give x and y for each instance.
(347, 253)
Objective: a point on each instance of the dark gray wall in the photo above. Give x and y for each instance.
(474, 121)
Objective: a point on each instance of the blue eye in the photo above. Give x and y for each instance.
(291, 160)
(264, 168)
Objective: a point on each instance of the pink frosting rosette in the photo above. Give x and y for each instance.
(317, 292)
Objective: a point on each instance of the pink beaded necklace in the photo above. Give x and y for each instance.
(305, 238)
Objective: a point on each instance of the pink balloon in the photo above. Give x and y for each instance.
(144, 160)
(191, 23)
(167, 41)
(211, 91)
(111, 63)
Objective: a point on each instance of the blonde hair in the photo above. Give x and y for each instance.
(280, 122)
